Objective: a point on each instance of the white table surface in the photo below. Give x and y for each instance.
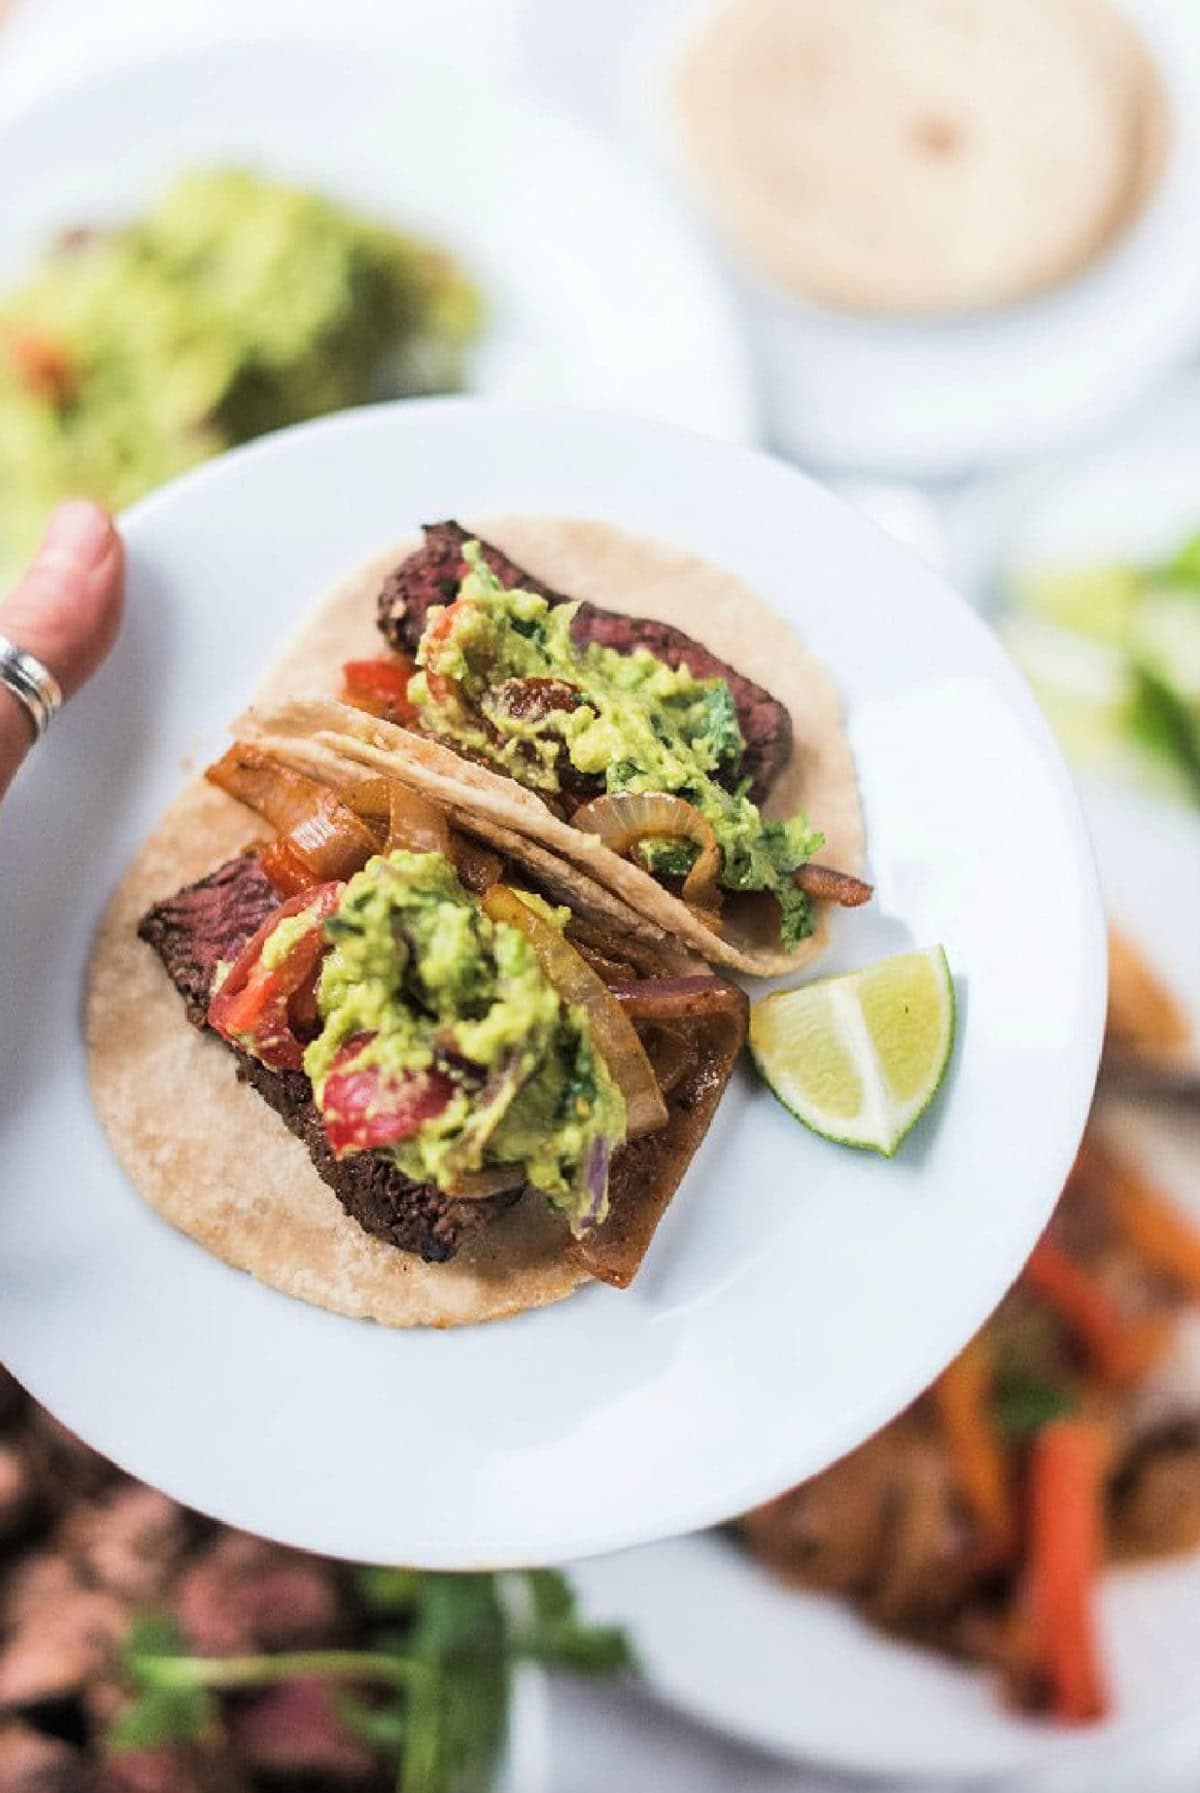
(603, 1737)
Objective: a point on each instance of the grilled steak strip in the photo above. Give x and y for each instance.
(432, 575)
(212, 920)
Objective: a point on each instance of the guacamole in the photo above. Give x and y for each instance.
(421, 981)
(234, 306)
(626, 720)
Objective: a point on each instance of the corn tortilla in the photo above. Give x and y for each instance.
(910, 156)
(619, 571)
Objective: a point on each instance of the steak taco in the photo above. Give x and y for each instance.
(389, 1061)
(650, 760)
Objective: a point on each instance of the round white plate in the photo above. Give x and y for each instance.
(596, 291)
(797, 1294)
(921, 399)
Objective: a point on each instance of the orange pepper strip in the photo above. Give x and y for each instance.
(1120, 1351)
(1153, 1225)
(961, 1397)
(1068, 1466)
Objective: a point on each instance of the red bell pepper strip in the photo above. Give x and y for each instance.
(380, 687)
(252, 1007)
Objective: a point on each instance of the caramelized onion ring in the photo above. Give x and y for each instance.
(415, 824)
(317, 827)
(623, 818)
(613, 1033)
(411, 821)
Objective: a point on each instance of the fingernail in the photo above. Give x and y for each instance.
(78, 530)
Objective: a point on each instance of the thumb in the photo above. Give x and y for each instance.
(66, 610)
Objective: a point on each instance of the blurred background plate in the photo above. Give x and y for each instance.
(923, 398)
(596, 293)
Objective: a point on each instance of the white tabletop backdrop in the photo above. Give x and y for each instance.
(603, 1738)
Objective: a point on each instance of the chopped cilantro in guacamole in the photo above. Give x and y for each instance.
(421, 980)
(628, 719)
(234, 306)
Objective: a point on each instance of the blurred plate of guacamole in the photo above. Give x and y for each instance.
(209, 245)
(235, 305)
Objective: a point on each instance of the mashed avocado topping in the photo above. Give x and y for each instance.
(502, 678)
(421, 980)
(233, 306)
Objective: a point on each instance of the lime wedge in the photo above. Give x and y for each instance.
(860, 1058)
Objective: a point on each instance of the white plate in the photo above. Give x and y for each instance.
(551, 221)
(526, 1764)
(922, 399)
(797, 1294)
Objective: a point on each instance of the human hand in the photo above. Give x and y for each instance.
(65, 610)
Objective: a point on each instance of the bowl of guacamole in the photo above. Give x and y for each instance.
(235, 305)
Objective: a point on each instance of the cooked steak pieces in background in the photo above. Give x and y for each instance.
(212, 920)
(432, 575)
(102, 1551)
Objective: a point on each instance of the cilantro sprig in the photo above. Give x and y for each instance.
(428, 1689)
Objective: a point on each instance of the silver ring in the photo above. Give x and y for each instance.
(32, 684)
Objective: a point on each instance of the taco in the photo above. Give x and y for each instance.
(653, 761)
(391, 1063)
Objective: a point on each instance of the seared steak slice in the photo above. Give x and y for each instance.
(432, 574)
(212, 920)
(193, 931)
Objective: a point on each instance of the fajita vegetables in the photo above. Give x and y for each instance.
(979, 1522)
(624, 746)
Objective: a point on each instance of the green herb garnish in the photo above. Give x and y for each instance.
(1023, 1405)
(428, 1689)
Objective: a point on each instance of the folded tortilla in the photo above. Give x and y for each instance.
(641, 577)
